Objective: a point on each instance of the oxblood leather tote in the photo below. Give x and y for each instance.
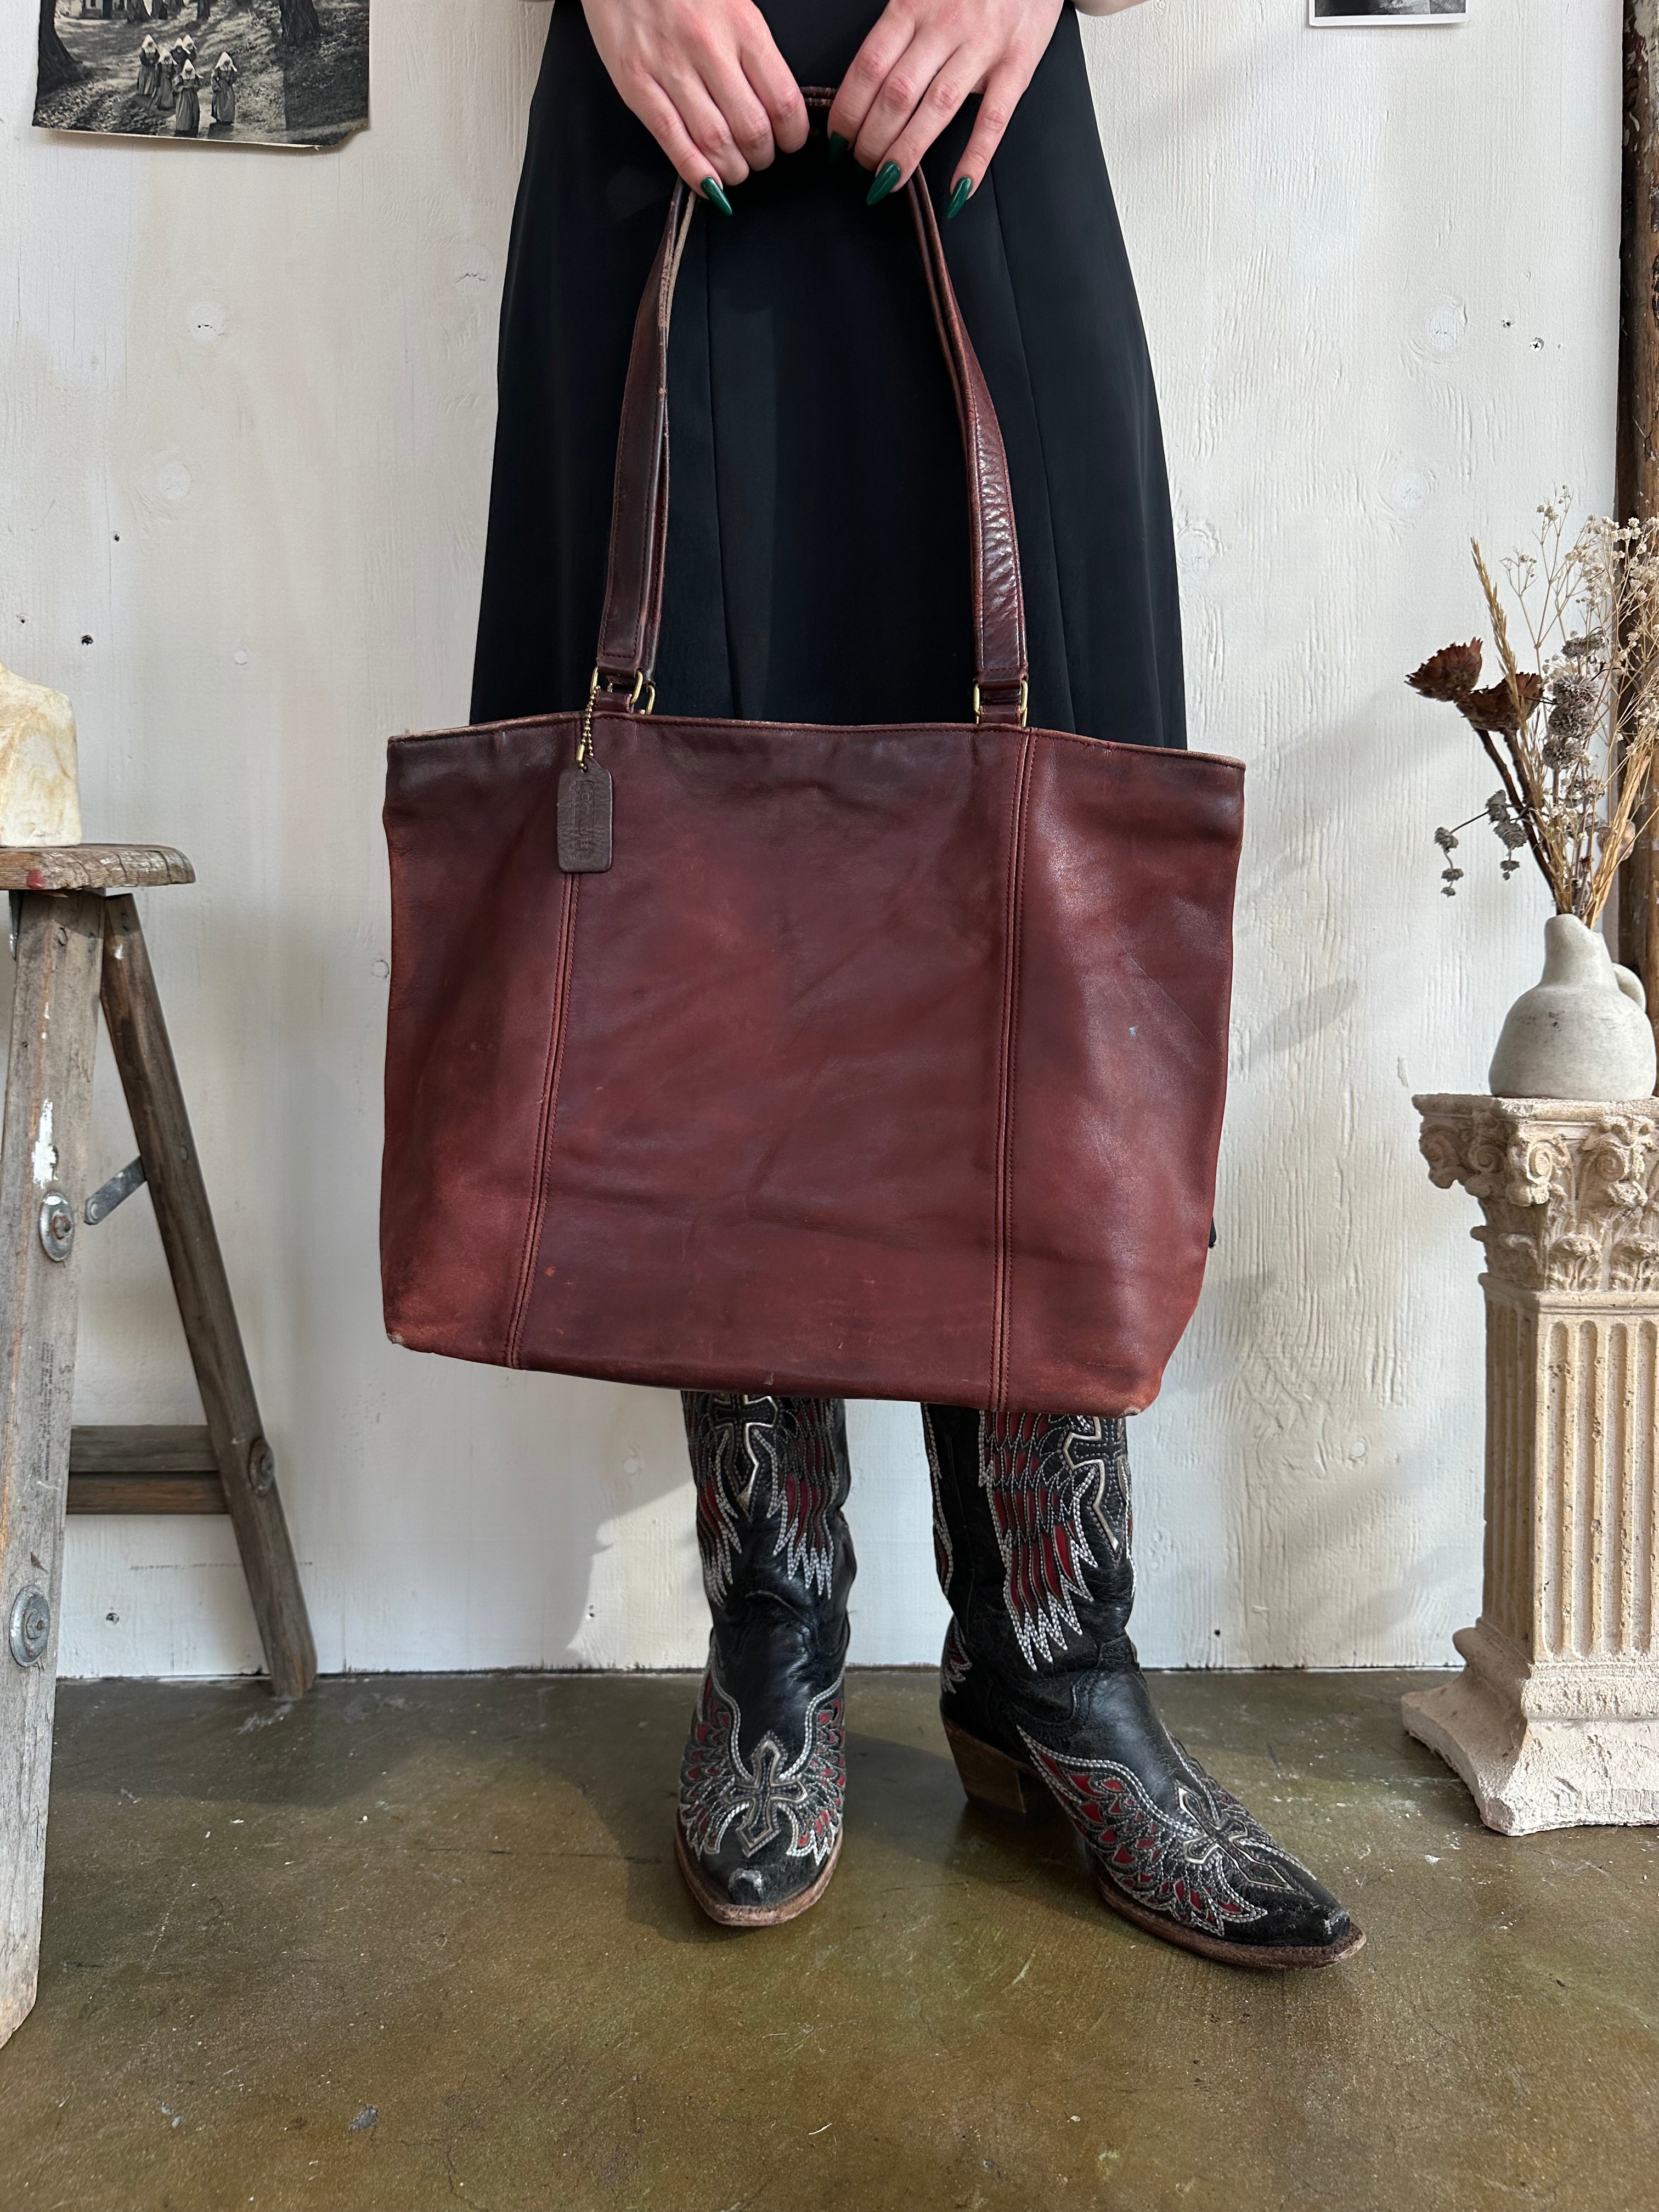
(884, 1062)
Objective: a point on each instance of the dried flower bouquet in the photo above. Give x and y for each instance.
(1572, 738)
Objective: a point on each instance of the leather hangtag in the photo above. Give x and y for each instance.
(585, 820)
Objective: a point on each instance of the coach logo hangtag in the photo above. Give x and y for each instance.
(585, 820)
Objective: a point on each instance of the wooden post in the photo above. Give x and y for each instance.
(247, 1467)
(54, 1026)
(1638, 490)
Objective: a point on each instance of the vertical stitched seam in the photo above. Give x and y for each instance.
(1027, 760)
(1006, 1081)
(544, 1127)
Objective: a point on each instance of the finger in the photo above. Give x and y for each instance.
(743, 113)
(705, 123)
(941, 100)
(997, 104)
(662, 118)
(772, 85)
(893, 31)
(906, 86)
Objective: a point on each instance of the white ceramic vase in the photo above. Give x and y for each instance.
(1582, 1031)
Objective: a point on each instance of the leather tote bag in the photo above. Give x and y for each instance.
(885, 1062)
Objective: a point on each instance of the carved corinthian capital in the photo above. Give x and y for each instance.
(1570, 1188)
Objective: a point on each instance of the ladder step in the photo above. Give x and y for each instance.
(155, 1469)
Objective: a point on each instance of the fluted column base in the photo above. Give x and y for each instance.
(1545, 1748)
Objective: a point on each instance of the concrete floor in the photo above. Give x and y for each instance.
(420, 1941)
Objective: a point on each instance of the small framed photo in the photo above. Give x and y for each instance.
(1329, 15)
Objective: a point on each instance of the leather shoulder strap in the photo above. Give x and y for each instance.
(639, 518)
(639, 499)
(999, 600)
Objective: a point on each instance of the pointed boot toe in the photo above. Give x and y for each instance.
(1041, 1694)
(763, 1777)
(759, 1833)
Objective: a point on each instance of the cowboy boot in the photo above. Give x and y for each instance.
(1043, 1696)
(764, 1774)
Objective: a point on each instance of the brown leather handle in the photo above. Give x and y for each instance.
(639, 515)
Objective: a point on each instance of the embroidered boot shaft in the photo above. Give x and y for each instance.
(1042, 1695)
(764, 1774)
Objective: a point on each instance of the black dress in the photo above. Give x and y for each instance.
(818, 546)
(817, 556)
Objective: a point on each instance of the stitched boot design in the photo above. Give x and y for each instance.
(1058, 1491)
(798, 1804)
(764, 1772)
(777, 1455)
(1203, 1861)
(1043, 1697)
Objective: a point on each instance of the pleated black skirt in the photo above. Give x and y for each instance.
(817, 553)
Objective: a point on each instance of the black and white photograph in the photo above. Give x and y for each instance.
(1329, 14)
(257, 72)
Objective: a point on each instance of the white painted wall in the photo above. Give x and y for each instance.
(245, 408)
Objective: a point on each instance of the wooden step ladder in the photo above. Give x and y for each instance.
(77, 943)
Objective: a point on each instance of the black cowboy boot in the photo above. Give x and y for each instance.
(1042, 1695)
(764, 1774)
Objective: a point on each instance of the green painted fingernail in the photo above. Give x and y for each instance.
(838, 145)
(886, 177)
(711, 192)
(960, 192)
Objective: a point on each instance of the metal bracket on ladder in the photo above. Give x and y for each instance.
(108, 1195)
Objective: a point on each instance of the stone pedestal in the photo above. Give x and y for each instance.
(1554, 1722)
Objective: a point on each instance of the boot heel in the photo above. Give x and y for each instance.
(994, 1781)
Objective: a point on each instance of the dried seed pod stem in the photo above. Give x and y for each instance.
(1574, 738)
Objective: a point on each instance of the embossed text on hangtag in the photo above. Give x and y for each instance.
(585, 820)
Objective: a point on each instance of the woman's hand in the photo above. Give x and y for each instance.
(921, 61)
(707, 81)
